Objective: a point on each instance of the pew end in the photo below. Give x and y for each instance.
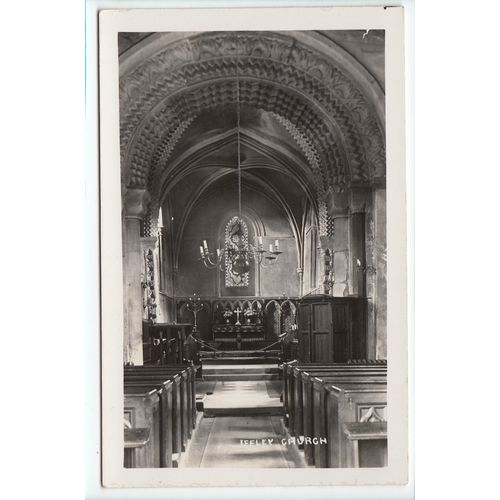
(134, 439)
(366, 444)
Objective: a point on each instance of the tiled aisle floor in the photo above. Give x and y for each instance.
(217, 443)
(236, 441)
(243, 396)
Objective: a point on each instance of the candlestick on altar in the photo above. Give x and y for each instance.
(195, 306)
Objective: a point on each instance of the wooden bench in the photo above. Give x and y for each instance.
(288, 382)
(167, 430)
(367, 362)
(179, 410)
(366, 444)
(133, 440)
(350, 403)
(142, 409)
(303, 375)
(320, 419)
(293, 393)
(191, 369)
(187, 387)
(309, 411)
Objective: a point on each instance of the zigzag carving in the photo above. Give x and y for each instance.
(308, 149)
(334, 109)
(326, 227)
(161, 156)
(270, 57)
(256, 94)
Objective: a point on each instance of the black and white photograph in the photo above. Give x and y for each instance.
(254, 262)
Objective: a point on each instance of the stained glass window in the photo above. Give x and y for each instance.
(235, 236)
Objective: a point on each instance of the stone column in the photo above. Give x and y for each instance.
(135, 204)
(300, 274)
(360, 201)
(380, 277)
(338, 209)
(151, 243)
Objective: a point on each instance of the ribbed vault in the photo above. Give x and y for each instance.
(323, 100)
(162, 94)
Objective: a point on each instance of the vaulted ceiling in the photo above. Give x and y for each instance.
(312, 116)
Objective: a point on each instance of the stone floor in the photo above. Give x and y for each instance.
(236, 439)
(244, 398)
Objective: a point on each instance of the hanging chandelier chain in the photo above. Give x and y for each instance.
(239, 254)
(238, 118)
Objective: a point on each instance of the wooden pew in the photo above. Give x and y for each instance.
(179, 409)
(347, 403)
(164, 389)
(142, 409)
(293, 394)
(367, 362)
(366, 444)
(308, 412)
(133, 440)
(301, 376)
(319, 423)
(187, 386)
(191, 369)
(288, 382)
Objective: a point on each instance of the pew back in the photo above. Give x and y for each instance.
(179, 403)
(142, 409)
(351, 403)
(167, 433)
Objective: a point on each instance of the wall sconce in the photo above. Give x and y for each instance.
(365, 269)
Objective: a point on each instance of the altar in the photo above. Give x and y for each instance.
(239, 323)
(238, 336)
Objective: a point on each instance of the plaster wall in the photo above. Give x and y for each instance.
(207, 222)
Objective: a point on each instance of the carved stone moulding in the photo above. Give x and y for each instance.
(156, 135)
(270, 57)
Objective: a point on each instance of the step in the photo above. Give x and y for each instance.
(272, 360)
(243, 411)
(221, 377)
(230, 369)
(204, 355)
(242, 398)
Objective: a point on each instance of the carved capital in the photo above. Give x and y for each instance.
(338, 204)
(359, 199)
(135, 203)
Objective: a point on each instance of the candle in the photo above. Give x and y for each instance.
(205, 246)
(201, 251)
(270, 247)
(218, 253)
(160, 218)
(260, 240)
(277, 245)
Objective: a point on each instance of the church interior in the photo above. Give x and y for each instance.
(253, 175)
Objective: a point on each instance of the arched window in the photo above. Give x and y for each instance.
(235, 235)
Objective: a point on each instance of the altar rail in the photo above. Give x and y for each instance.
(275, 314)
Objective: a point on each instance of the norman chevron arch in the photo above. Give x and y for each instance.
(168, 79)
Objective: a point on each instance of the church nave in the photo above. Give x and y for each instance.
(248, 431)
(254, 249)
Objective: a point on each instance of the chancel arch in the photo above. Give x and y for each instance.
(312, 163)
